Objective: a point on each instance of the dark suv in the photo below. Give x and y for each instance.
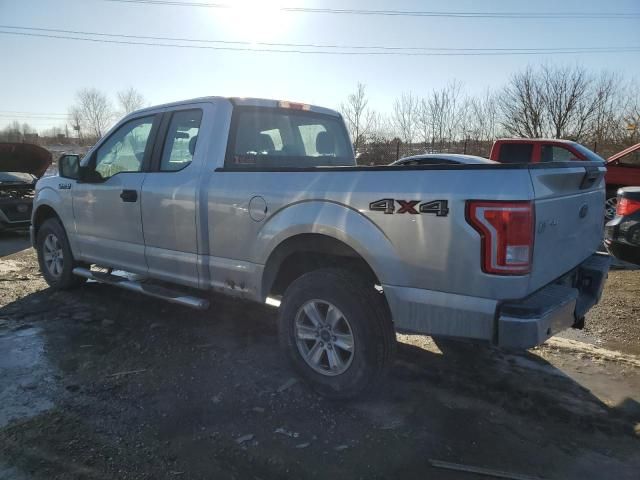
(622, 234)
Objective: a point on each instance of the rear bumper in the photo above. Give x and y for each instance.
(522, 323)
(556, 307)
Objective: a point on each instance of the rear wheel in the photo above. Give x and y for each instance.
(337, 332)
(54, 256)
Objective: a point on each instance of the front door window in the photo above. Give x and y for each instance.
(124, 150)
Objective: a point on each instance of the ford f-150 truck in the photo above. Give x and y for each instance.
(263, 200)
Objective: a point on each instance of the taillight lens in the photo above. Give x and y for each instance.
(506, 231)
(627, 206)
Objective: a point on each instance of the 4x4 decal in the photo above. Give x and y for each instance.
(388, 205)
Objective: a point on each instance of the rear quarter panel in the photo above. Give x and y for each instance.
(421, 251)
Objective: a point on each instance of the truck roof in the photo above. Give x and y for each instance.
(536, 140)
(248, 101)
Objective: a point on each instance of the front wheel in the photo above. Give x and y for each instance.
(54, 256)
(337, 332)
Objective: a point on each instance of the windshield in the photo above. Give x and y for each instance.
(589, 155)
(285, 138)
(16, 177)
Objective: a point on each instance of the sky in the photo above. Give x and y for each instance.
(42, 75)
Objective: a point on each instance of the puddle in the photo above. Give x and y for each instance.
(27, 384)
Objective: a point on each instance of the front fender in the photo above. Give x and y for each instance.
(337, 221)
(50, 196)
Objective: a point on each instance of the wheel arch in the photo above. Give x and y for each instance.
(322, 233)
(41, 214)
(305, 252)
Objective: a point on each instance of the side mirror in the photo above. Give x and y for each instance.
(69, 166)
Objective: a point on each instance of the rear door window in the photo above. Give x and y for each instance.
(515, 153)
(180, 143)
(285, 138)
(555, 153)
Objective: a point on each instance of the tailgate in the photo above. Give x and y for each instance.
(569, 202)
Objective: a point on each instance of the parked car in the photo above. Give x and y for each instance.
(623, 169)
(21, 164)
(622, 234)
(442, 159)
(262, 200)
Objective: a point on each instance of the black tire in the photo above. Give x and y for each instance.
(63, 278)
(365, 313)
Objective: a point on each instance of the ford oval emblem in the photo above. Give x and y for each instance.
(584, 209)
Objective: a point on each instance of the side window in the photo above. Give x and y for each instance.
(180, 143)
(124, 150)
(552, 153)
(515, 153)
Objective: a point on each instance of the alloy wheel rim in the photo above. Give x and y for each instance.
(53, 255)
(324, 337)
(610, 208)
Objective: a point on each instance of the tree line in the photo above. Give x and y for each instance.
(569, 102)
(598, 109)
(88, 119)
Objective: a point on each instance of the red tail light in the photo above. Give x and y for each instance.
(627, 206)
(506, 230)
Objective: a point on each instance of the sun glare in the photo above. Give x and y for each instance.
(255, 20)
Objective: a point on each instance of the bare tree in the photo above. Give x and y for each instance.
(560, 102)
(130, 100)
(424, 122)
(483, 117)
(358, 116)
(405, 112)
(522, 106)
(95, 110)
(75, 118)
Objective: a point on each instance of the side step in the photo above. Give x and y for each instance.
(156, 291)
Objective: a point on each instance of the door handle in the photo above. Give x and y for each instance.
(129, 196)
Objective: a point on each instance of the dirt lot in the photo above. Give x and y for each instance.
(100, 383)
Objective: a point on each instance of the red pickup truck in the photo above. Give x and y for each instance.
(623, 168)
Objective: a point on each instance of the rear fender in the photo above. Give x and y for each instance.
(336, 221)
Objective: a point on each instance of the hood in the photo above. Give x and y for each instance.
(624, 152)
(24, 158)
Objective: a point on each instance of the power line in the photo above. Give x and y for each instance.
(31, 113)
(315, 45)
(331, 52)
(406, 13)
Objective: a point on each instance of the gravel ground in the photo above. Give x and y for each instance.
(615, 322)
(102, 383)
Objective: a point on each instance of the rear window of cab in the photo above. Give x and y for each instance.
(273, 138)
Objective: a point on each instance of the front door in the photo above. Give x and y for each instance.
(107, 207)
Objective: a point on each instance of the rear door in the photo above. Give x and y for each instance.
(169, 197)
(569, 211)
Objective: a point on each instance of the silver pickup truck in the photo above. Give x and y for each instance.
(262, 200)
